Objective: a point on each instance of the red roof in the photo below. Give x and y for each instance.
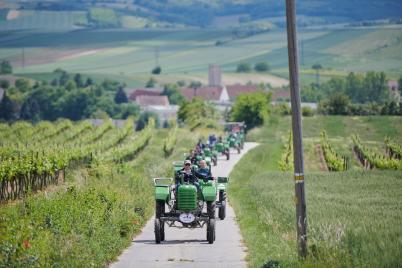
(235, 90)
(283, 94)
(143, 92)
(393, 84)
(146, 100)
(207, 93)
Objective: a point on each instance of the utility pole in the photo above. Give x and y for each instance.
(23, 58)
(300, 200)
(156, 56)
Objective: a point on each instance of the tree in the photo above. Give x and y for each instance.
(375, 87)
(89, 82)
(317, 67)
(64, 77)
(400, 84)
(144, 118)
(252, 108)
(338, 104)
(195, 84)
(197, 112)
(7, 108)
(151, 82)
(261, 67)
(173, 94)
(157, 70)
(30, 110)
(5, 67)
(354, 87)
(120, 96)
(243, 68)
(128, 109)
(4, 84)
(22, 84)
(78, 80)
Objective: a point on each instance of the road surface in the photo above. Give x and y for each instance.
(188, 247)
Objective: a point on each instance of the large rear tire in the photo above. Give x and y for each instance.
(158, 231)
(211, 236)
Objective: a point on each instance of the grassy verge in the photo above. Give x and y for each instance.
(88, 221)
(354, 217)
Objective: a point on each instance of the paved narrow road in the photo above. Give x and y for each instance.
(188, 247)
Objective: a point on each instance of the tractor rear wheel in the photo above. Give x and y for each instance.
(211, 231)
(211, 209)
(158, 231)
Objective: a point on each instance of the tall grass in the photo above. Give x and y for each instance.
(354, 217)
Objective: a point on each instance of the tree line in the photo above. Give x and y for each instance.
(66, 96)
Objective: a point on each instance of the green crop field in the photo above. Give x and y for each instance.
(129, 55)
(354, 217)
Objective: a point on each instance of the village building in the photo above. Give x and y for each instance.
(393, 87)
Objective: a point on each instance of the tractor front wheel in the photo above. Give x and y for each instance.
(222, 208)
(211, 209)
(211, 231)
(159, 231)
(159, 208)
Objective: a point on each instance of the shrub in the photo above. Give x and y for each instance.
(243, 68)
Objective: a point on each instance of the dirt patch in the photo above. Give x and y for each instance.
(13, 14)
(48, 55)
(323, 164)
(80, 54)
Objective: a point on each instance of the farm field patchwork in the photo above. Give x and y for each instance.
(184, 52)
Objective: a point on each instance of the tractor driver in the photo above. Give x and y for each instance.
(188, 174)
(203, 172)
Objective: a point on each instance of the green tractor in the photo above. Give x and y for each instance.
(212, 155)
(185, 207)
(223, 148)
(234, 142)
(221, 203)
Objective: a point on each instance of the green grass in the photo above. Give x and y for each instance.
(354, 217)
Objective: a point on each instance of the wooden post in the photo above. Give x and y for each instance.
(300, 200)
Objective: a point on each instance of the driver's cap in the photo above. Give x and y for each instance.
(187, 162)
